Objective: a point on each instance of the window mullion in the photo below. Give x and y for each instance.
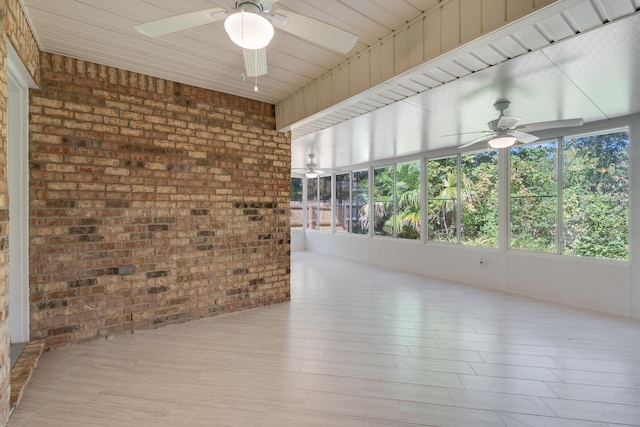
(371, 201)
(305, 203)
(395, 202)
(458, 197)
(424, 207)
(560, 191)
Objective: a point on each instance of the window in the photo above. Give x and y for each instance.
(359, 202)
(534, 197)
(312, 203)
(295, 206)
(383, 201)
(462, 194)
(589, 202)
(565, 196)
(595, 195)
(407, 189)
(343, 203)
(479, 199)
(442, 195)
(324, 203)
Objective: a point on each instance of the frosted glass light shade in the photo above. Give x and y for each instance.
(249, 30)
(502, 141)
(311, 175)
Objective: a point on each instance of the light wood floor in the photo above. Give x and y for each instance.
(357, 346)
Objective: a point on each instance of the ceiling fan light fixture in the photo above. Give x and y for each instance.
(249, 30)
(502, 141)
(311, 175)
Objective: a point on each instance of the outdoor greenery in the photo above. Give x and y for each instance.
(359, 202)
(296, 189)
(534, 197)
(407, 219)
(594, 187)
(596, 196)
(396, 192)
(343, 203)
(442, 196)
(478, 194)
(569, 196)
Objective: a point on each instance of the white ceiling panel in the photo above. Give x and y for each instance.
(587, 77)
(509, 47)
(614, 9)
(531, 38)
(612, 81)
(472, 62)
(583, 17)
(103, 32)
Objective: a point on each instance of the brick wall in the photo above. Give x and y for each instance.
(13, 29)
(187, 187)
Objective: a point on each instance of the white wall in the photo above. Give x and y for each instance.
(634, 215)
(599, 285)
(298, 240)
(595, 284)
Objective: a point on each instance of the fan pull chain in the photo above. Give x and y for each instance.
(255, 69)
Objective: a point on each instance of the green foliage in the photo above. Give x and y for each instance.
(479, 207)
(478, 199)
(407, 219)
(594, 185)
(534, 198)
(596, 196)
(359, 202)
(442, 194)
(383, 200)
(296, 189)
(399, 214)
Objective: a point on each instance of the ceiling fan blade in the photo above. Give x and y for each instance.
(525, 138)
(315, 31)
(466, 133)
(255, 62)
(477, 141)
(553, 124)
(507, 122)
(184, 21)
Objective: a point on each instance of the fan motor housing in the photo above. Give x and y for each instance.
(260, 6)
(501, 105)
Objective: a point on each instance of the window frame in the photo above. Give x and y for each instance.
(559, 185)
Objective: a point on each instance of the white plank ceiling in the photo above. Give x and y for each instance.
(581, 62)
(103, 32)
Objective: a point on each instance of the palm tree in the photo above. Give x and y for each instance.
(445, 200)
(407, 190)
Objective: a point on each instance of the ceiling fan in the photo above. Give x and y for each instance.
(251, 26)
(311, 170)
(505, 132)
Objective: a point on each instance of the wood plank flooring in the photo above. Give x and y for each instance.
(357, 346)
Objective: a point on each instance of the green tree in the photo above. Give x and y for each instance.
(442, 197)
(383, 200)
(479, 205)
(407, 218)
(595, 196)
(360, 202)
(534, 197)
